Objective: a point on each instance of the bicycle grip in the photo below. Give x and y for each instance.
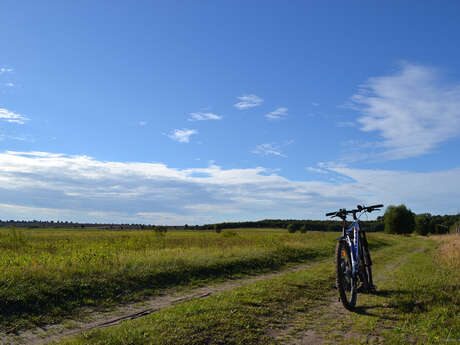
(376, 206)
(330, 214)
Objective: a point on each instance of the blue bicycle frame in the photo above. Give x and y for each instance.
(354, 245)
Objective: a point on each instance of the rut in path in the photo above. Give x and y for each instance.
(331, 311)
(45, 334)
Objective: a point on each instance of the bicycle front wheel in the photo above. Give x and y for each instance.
(346, 283)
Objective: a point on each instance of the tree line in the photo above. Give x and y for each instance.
(396, 220)
(293, 225)
(401, 220)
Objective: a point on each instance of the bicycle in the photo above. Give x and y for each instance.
(352, 257)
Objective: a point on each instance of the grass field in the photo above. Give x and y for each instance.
(417, 303)
(47, 274)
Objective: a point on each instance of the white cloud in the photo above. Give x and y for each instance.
(143, 123)
(11, 117)
(248, 101)
(277, 114)
(413, 110)
(315, 104)
(269, 149)
(182, 135)
(204, 116)
(41, 185)
(9, 84)
(14, 137)
(317, 170)
(5, 70)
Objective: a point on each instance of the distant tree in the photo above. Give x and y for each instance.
(399, 220)
(441, 229)
(292, 227)
(455, 228)
(303, 228)
(424, 224)
(160, 230)
(218, 228)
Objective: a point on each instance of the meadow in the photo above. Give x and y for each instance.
(47, 275)
(418, 302)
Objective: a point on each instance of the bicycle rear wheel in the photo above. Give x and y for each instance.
(346, 283)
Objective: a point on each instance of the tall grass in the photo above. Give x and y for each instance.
(449, 249)
(46, 274)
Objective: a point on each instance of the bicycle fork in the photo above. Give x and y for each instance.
(354, 251)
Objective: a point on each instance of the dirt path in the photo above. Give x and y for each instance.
(330, 322)
(94, 320)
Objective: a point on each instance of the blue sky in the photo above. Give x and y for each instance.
(195, 112)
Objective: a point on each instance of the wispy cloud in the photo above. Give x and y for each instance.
(14, 137)
(248, 101)
(182, 135)
(9, 84)
(414, 110)
(204, 116)
(11, 117)
(315, 104)
(345, 124)
(274, 149)
(279, 113)
(317, 170)
(143, 123)
(42, 185)
(5, 70)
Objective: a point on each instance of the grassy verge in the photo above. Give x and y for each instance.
(418, 300)
(424, 307)
(47, 275)
(247, 315)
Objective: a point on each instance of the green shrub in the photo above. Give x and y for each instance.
(424, 224)
(455, 229)
(292, 228)
(399, 220)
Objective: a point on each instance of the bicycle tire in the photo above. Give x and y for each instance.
(366, 266)
(364, 271)
(372, 288)
(346, 283)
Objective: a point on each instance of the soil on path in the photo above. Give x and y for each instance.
(94, 320)
(330, 323)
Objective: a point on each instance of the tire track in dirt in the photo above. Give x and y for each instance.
(332, 310)
(48, 333)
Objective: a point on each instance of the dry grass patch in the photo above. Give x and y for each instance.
(449, 249)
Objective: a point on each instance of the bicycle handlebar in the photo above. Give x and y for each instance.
(343, 212)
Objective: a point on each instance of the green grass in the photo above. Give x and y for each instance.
(243, 316)
(424, 303)
(418, 302)
(46, 275)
